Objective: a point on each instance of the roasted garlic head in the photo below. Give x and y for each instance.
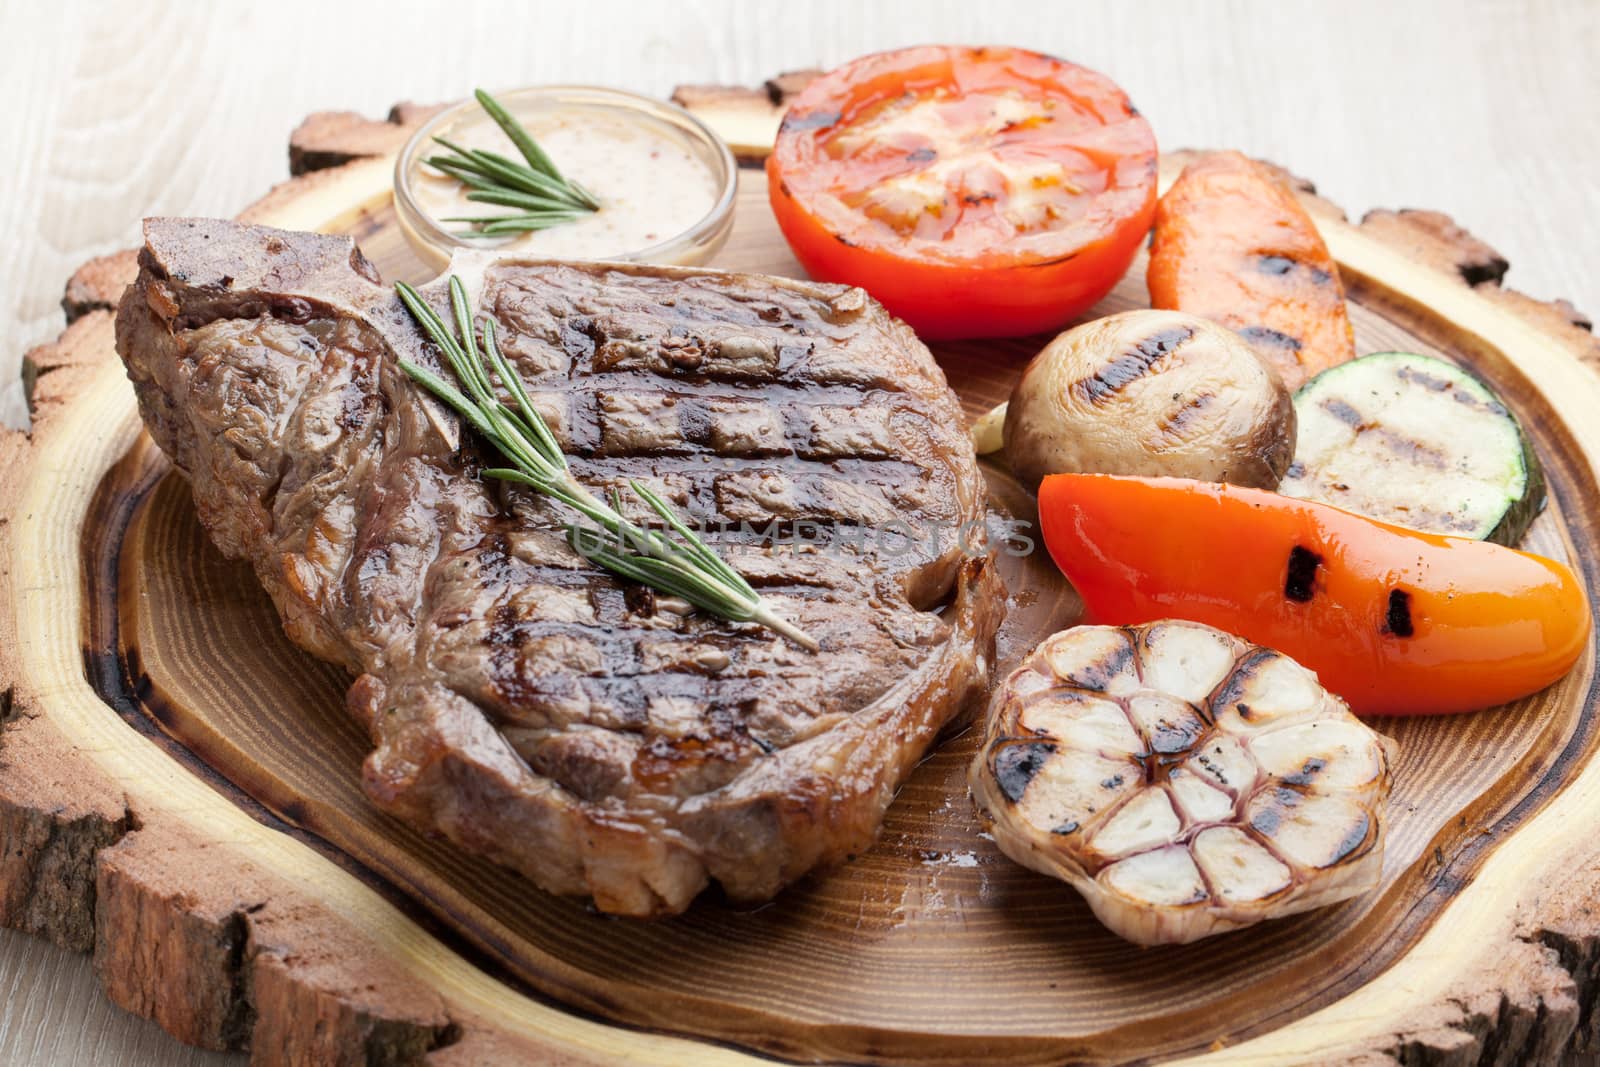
(1183, 780)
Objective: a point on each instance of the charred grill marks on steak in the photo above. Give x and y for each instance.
(522, 701)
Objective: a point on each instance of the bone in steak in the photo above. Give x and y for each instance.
(599, 738)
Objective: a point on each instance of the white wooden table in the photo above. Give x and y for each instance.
(1488, 110)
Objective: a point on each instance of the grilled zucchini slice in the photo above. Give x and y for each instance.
(1418, 442)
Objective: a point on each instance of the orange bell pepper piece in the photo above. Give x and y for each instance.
(1394, 621)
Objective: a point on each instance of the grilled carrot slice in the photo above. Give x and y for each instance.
(1232, 244)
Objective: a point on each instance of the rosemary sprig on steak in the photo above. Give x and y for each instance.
(537, 189)
(682, 565)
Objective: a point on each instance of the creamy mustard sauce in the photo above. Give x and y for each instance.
(651, 187)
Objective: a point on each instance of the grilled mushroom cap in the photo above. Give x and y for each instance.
(1151, 393)
(1183, 780)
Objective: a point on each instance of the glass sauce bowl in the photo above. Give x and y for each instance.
(606, 110)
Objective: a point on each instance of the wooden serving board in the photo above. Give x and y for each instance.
(179, 785)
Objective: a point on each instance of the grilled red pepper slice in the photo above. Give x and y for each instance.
(1394, 621)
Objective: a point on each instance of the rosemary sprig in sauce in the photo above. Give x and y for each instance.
(674, 560)
(537, 189)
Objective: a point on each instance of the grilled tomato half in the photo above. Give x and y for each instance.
(976, 192)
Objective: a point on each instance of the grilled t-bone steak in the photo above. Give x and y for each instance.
(599, 738)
